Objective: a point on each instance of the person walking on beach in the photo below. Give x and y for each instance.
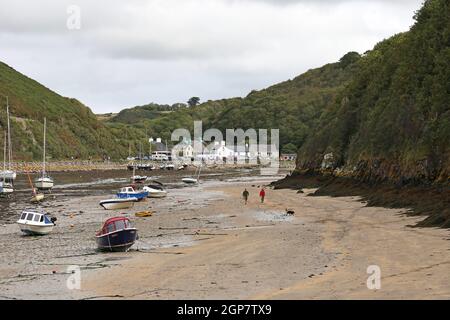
(245, 195)
(262, 194)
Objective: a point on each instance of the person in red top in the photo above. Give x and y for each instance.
(262, 194)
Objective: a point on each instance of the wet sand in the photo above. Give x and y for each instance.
(203, 242)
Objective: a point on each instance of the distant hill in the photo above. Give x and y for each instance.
(293, 106)
(392, 122)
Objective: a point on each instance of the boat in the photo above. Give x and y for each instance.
(170, 167)
(6, 188)
(192, 180)
(35, 223)
(45, 182)
(7, 175)
(137, 178)
(131, 192)
(118, 203)
(117, 234)
(143, 214)
(155, 190)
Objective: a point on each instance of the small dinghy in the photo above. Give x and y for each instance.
(117, 234)
(118, 203)
(131, 192)
(155, 190)
(35, 223)
(138, 179)
(189, 180)
(143, 214)
(192, 180)
(6, 187)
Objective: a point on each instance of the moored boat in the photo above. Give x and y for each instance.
(192, 180)
(45, 182)
(117, 234)
(155, 190)
(35, 223)
(138, 179)
(118, 203)
(131, 192)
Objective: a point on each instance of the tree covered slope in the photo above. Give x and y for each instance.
(392, 122)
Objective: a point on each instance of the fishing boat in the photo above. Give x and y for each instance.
(155, 190)
(36, 223)
(45, 182)
(117, 234)
(7, 175)
(131, 192)
(193, 180)
(118, 203)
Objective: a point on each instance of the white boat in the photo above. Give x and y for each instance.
(6, 187)
(44, 182)
(189, 180)
(118, 203)
(155, 190)
(192, 180)
(7, 175)
(35, 223)
(138, 179)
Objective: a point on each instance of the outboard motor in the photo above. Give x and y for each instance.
(53, 220)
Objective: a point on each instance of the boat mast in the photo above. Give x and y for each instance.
(9, 135)
(4, 156)
(43, 162)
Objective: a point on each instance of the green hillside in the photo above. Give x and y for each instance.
(293, 106)
(392, 122)
(73, 130)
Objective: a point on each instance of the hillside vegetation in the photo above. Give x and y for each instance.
(392, 122)
(72, 129)
(293, 107)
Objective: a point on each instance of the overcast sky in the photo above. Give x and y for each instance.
(133, 52)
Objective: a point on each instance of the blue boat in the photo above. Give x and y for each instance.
(117, 234)
(131, 192)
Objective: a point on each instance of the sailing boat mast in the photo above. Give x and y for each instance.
(4, 152)
(43, 162)
(9, 134)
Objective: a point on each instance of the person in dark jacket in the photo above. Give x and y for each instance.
(245, 195)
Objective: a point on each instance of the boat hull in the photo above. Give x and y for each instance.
(117, 241)
(44, 185)
(34, 230)
(116, 205)
(190, 180)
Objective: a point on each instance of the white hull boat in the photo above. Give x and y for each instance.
(44, 183)
(35, 223)
(6, 188)
(189, 180)
(8, 175)
(155, 192)
(116, 204)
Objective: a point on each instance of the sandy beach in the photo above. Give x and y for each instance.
(203, 242)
